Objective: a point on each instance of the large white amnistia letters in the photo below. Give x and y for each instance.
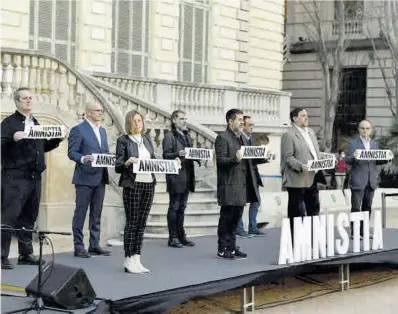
(330, 233)
(377, 243)
(314, 237)
(319, 236)
(343, 243)
(285, 246)
(302, 239)
(356, 219)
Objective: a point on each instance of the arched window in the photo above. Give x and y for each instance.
(193, 41)
(52, 28)
(130, 24)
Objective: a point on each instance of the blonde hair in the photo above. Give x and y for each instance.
(128, 124)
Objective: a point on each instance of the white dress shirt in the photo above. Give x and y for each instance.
(96, 130)
(143, 153)
(366, 143)
(97, 133)
(28, 124)
(307, 137)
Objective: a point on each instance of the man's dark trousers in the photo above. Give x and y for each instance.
(93, 197)
(361, 200)
(229, 218)
(176, 214)
(302, 202)
(20, 202)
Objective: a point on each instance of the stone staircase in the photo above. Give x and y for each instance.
(201, 215)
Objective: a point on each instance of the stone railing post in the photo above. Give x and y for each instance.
(163, 95)
(284, 108)
(230, 100)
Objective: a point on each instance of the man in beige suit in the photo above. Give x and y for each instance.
(298, 146)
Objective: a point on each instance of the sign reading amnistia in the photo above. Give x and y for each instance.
(46, 131)
(157, 166)
(198, 153)
(252, 152)
(375, 154)
(103, 160)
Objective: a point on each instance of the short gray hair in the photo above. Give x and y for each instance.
(90, 105)
(17, 94)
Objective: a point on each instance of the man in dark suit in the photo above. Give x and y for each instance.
(364, 176)
(22, 163)
(254, 206)
(178, 185)
(85, 139)
(298, 146)
(236, 183)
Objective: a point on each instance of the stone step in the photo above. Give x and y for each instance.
(191, 216)
(161, 183)
(200, 193)
(161, 206)
(192, 228)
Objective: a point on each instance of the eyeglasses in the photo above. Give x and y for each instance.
(367, 129)
(97, 110)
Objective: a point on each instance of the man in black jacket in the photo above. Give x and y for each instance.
(22, 162)
(236, 183)
(178, 185)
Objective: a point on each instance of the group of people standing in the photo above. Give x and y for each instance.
(299, 145)
(238, 179)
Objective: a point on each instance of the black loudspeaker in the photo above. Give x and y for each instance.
(63, 287)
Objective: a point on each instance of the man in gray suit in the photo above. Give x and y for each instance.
(364, 174)
(298, 146)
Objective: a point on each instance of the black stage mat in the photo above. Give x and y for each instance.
(178, 275)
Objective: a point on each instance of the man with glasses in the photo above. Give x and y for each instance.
(364, 174)
(85, 139)
(254, 206)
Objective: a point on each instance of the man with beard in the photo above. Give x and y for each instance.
(236, 183)
(178, 185)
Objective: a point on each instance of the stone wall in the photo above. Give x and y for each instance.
(14, 24)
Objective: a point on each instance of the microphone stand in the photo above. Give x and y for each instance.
(38, 304)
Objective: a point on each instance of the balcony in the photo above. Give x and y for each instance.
(352, 27)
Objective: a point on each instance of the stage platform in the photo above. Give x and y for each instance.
(178, 275)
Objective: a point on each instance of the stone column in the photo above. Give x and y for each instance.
(94, 37)
(14, 24)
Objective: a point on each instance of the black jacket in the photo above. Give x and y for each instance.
(26, 155)
(172, 143)
(126, 148)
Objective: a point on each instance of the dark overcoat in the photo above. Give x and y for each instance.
(172, 143)
(232, 189)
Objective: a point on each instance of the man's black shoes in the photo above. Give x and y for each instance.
(28, 260)
(6, 264)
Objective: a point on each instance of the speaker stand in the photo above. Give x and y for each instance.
(38, 304)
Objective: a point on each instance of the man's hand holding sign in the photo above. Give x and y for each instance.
(373, 154)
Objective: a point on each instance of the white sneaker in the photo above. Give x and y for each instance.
(130, 266)
(137, 259)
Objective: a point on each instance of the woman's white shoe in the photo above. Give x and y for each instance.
(137, 259)
(130, 266)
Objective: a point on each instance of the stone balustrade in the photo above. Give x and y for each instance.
(63, 91)
(207, 103)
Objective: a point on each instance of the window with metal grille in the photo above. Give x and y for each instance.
(52, 28)
(130, 24)
(193, 41)
(351, 106)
